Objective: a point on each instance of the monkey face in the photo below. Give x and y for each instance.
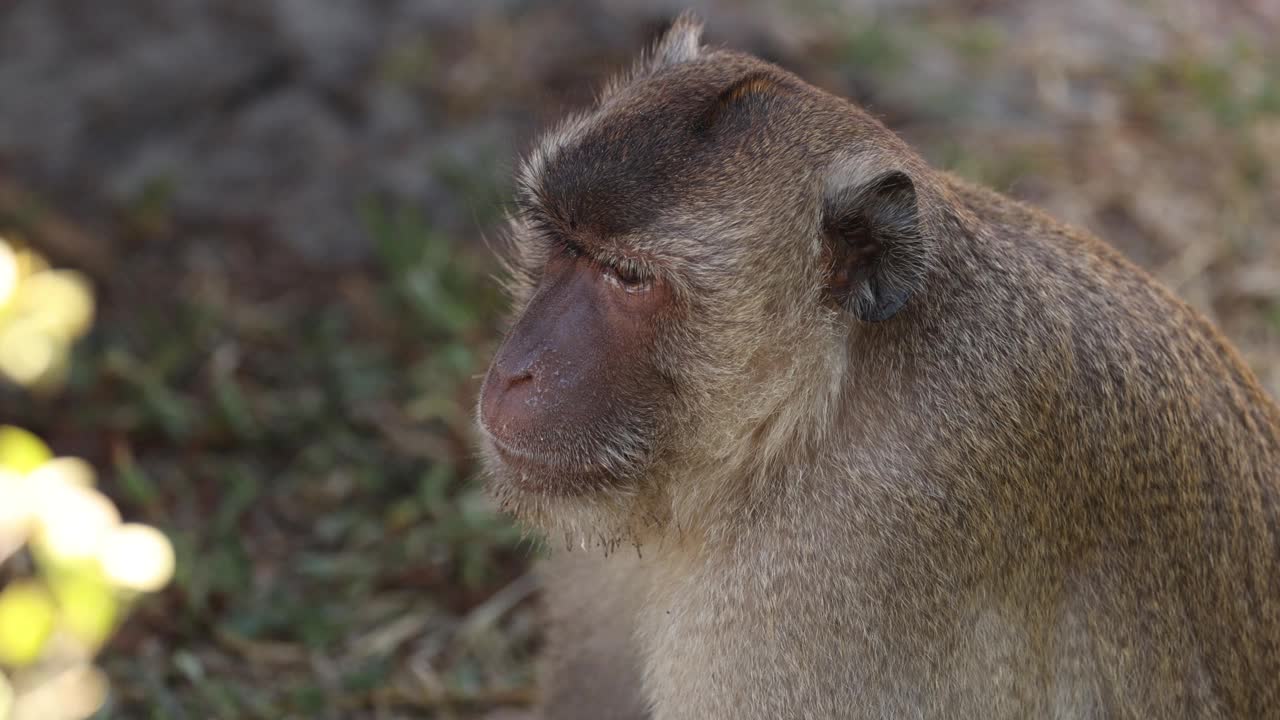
(683, 258)
(572, 397)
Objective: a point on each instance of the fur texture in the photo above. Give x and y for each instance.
(1043, 487)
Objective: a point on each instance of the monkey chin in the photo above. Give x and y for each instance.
(544, 473)
(583, 506)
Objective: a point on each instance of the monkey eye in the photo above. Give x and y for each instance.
(621, 273)
(627, 277)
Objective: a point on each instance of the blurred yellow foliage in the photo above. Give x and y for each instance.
(138, 557)
(91, 565)
(20, 451)
(6, 697)
(71, 521)
(42, 312)
(88, 606)
(72, 692)
(27, 618)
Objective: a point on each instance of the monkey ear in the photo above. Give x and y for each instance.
(876, 243)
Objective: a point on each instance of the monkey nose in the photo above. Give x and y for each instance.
(510, 400)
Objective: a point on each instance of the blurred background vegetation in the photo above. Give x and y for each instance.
(280, 207)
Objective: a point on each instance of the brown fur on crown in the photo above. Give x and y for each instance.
(1045, 488)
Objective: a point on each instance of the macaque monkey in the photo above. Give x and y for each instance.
(818, 431)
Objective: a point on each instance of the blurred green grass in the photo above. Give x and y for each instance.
(309, 451)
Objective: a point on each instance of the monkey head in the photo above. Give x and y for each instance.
(687, 261)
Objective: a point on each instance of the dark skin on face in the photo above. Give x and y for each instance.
(571, 368)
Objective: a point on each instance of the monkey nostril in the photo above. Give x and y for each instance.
(514, 397)
(519, 395)
(506, 401)
(515, 380)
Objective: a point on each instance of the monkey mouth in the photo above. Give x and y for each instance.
(536, 471)
(518, 458)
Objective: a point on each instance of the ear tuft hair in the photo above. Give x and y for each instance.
(877, 243)
(680, 43)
